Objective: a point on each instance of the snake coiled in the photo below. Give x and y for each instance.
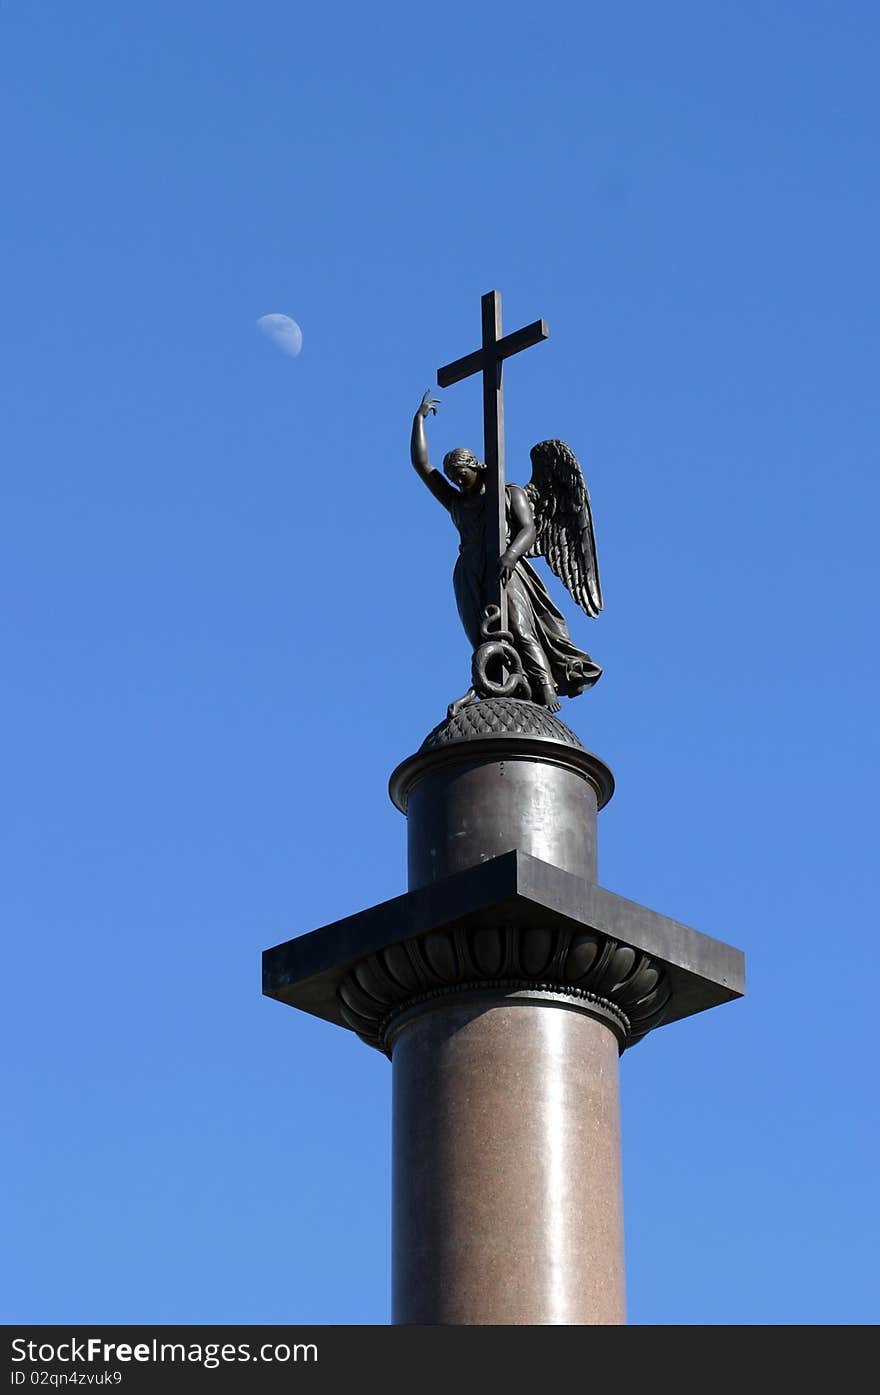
(498, 648)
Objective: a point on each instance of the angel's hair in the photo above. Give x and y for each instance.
(461, 456)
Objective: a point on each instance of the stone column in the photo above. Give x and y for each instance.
(506, 1165)
(506, 1157)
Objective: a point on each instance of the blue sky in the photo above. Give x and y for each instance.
(227, 607)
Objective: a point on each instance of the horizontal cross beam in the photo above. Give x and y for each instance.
(504, 348)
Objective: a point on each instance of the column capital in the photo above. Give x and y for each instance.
(516, 918)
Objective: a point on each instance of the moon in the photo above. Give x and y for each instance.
(284, 332)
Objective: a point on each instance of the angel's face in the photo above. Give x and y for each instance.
(466, 477)
(461, 469)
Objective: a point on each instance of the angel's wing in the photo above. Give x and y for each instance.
(564, 523)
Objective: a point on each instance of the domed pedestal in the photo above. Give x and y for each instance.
(501, 774)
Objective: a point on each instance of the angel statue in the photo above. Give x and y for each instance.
(551, 517)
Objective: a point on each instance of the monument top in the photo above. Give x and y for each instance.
(521, 642)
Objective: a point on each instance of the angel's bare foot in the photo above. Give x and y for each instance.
(547, 697)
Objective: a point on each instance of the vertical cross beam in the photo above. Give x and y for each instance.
(488, 360)
(493, 447)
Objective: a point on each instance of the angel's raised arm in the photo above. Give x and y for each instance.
(418, 454)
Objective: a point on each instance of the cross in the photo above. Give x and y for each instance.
(488, 360)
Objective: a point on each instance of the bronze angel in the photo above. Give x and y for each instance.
(551, 518)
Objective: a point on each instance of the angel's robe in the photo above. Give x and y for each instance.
(540, 634)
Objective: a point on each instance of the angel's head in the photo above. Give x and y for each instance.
(464, 469)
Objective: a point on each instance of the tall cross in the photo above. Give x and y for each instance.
(488, 360)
